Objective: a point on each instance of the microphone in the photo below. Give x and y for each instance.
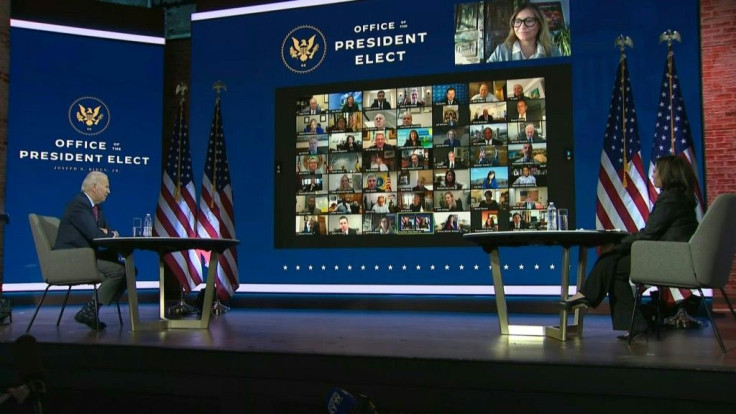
(340, 401)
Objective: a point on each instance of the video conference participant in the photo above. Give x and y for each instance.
(450, 97)
(518, 93)
(313, 183)
(371, 183)
(380, 102)
(313, 128)
(452, 139)
(311, 164)
(526, 179)
(414, 98)
(312, 109)
(517, 223)
(309, 226)
(344, 186)
(381, 142)
(314, 148)
(528, 156)
(380, 120)
(350, 105)
(488, 156)
(526, 111)
(350, 144)
(381, 206)
(417, 204)
(450, 181)
(451, 223)
(528, 38)
(421, 184)
(385, 226)
(530, 134)
(484, 94)
(488, 203)
(450, 201)
(341, 125)
(414, 162)
(344, 227)
(483, 117)
(311, 206)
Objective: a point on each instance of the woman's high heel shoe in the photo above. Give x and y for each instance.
(575, 303)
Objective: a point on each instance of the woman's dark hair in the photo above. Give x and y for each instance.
(450, 172)
(676, 174)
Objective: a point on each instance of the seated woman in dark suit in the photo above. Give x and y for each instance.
(672, 219)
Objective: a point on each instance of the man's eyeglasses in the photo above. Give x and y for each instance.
(528, 22)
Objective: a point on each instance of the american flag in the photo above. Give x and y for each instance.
(672, 137)
(175, 211)
(621, 200)
(215, 218)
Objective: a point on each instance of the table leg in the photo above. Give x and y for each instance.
(209, 294)
(560, 333)
(582, 263)
(503, 316)
(162, 298)
(132, 292)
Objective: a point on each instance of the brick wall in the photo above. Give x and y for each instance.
(4, 86)
(718, 37)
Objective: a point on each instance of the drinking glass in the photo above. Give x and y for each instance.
(564, 217)
(137, 227)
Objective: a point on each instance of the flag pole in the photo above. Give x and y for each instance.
(668, 36)
(218, 87)
(623, 41)
(181, 90)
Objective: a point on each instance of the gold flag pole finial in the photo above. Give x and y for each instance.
(669, 36)
(181, 90)
(219, 87)
(622, 42)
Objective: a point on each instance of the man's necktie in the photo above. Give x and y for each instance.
(97, 213)
(452, 165)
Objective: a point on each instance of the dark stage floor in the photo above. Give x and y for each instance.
(254, 360)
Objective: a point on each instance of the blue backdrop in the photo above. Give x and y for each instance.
(245, 52)
(51, 75)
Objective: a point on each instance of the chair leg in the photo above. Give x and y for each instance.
(712, 323)
(661, 303)
(730, 306)
(120, 316)
(37, 308)
(97, 308)
(637, 302)
(63, 305)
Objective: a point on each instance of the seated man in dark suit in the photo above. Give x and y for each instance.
(82, 222)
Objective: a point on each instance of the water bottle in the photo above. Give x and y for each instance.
(551, 216)
(148, 226)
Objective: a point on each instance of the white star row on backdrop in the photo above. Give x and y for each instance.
(403, 267)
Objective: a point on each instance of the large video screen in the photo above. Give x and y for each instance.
(422, 161)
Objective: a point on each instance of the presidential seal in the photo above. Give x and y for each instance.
(303, 49)
(89, 115)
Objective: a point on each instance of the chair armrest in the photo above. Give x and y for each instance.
(662, 263)
(71, 266)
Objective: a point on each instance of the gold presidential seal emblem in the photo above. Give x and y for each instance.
(303, 49)
(89, 115)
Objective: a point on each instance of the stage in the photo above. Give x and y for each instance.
(406, 361)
